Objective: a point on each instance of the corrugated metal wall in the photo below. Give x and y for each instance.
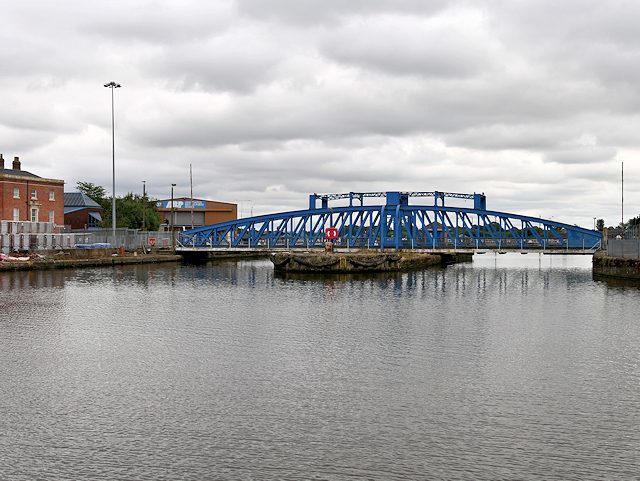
(627, 248)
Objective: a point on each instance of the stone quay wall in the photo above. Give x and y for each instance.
(618, 267)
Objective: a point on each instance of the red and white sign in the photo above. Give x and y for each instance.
(331, 233)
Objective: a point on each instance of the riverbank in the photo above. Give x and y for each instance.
(615, 267)
(72, 258)
(112, 256)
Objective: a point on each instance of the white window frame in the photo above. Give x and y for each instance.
(16, 214)
(52, 195)
(52, 215)
(34, 194)
(16, 192)
(34, 214)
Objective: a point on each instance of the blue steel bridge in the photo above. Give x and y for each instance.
(393, 224)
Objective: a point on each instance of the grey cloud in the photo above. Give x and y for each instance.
(504, 136)
(20, 57)
(272, 100)
(313, 12)
(400, 45)
(574, 39)
(581, 155)
(230, 67)
(18, 142)
(578, 22)
(162, 23)
(31, 119)
(472, 114)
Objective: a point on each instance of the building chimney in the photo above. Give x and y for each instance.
(16, 163)
(1, 162)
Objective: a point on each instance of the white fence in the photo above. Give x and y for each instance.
(20, 236)
(23, 227)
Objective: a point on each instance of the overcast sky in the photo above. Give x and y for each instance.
(535, 103)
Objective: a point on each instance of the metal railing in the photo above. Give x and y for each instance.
(129, 239)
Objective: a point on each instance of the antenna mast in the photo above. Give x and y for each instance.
(191, 181)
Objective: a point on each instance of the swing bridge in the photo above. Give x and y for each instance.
(393, 224)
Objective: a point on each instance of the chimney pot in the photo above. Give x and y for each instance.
(16, 163)
(1, 162)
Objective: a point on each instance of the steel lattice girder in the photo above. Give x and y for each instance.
(398, 226)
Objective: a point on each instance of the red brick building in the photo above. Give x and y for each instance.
(81, 212)
(27, 197)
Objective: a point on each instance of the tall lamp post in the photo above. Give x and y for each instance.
(144, 195)
(241, 202)
(173, 245)
(112, 85)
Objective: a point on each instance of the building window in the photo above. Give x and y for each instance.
(16, 193)
(52, 214)
(16, 214)
(51, 195)
(34, 194)
(34, 215)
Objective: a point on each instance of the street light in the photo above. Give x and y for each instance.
(241, 201)
(143, 203)
(172, 234)
(112, 85)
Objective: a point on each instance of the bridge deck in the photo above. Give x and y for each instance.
(245, 250)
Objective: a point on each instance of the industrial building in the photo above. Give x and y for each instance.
(205, 212)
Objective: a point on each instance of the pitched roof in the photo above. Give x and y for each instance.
(22, 173)
(78, 199)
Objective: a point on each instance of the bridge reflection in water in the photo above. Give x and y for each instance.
(394, 225)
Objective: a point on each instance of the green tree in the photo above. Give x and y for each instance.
(129, 212)
(95, 192)
(128, 208)
(633, 222)
(600, 224)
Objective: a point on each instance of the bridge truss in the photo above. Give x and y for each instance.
(394, 225)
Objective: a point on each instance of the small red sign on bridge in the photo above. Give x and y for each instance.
(331, 233)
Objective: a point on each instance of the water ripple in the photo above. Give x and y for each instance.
(507, 368)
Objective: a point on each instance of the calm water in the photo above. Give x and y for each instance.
(513, 367)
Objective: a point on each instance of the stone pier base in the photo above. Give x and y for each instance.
(361, 262)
